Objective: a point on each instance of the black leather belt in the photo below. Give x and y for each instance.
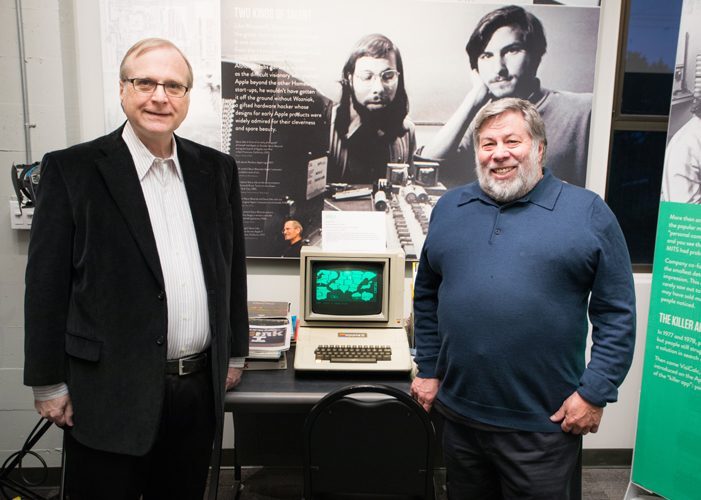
(187, 365)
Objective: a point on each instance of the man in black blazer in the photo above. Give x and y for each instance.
(135, 308)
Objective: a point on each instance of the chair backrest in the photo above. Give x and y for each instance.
(368, 440)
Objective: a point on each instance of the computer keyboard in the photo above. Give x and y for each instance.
(353, 353)
(350, 194)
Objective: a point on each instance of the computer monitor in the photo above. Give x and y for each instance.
(351, 289)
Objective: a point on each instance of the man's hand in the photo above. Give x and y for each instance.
(446, 141)
(233, 378)
(578, 416)
(58, 410)
(479, 91)
(424, 391)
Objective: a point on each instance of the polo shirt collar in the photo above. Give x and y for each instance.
(544, 194)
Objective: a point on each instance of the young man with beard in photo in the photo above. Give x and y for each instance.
(369, 126)
(512, 266)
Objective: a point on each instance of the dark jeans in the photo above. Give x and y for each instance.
(508, 465)
(175, 468)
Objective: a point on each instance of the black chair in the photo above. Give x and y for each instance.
(368, 441)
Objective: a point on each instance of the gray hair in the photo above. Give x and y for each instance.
(295, 224)
(149, 44)
(534, 122)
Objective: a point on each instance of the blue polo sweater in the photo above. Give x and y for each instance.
(501, 301)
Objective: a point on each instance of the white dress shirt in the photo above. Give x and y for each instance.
(171, 220)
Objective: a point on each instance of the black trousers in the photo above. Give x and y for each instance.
(508, 465)
(175, 468)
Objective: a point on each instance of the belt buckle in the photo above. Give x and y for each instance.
(181, 367)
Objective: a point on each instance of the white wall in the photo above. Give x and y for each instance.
(63, 56)
(44, 53)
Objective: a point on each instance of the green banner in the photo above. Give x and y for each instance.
(667, 457)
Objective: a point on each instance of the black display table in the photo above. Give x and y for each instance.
(269, 408)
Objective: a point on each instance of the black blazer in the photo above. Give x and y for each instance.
(95, 305)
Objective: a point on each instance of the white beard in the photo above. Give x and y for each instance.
(529, 173)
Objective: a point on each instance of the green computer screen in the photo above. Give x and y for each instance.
(347, 288)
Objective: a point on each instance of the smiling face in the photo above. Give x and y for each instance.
(509, 162)
(504, 65)
(374, 81)
(155, 116)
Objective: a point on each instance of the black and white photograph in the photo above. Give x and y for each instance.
(368, 106)
(681, 180)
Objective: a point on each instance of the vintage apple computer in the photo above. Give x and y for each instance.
(352, 311)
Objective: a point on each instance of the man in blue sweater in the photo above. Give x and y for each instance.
(512, 265)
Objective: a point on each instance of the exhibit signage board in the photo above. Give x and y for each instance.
(309, 136)
(667, 459)
(276, 86)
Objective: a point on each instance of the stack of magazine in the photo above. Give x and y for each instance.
(269, 334)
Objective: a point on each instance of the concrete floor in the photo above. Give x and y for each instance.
(273, 483)
(268, 483)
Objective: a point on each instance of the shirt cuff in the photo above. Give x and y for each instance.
(47, 392)
(597, 389)
(426, 366)
(237, 362)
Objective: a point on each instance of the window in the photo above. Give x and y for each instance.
(646, 76)
(638, 156)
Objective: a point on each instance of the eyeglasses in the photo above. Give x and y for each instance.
(387, 77)
(146, 86)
